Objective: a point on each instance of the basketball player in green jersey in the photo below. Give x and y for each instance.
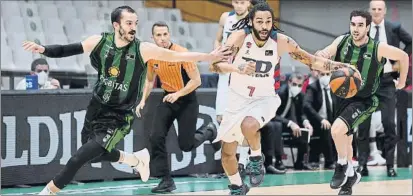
(120, 60)
(369, 57)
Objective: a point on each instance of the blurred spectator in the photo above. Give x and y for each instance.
(40, 67)
(311, 79)
(319, 108)
(290, 118)
(391, 33)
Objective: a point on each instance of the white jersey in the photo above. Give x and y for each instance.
(265, 80)
(222, 89)
(231, 20)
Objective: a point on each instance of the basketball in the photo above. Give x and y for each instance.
(345, 82)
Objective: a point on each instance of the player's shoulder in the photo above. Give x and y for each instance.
(224, 16)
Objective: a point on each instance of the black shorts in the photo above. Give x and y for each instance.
(105, 125)
(354, 111)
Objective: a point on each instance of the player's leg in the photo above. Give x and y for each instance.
(230, 165)
(255, 166)
(242, 160)
(189, 137)
(339, 131)
(139, 160)
(353, 176)
(85, 153)
(163, 120)
(351, 116)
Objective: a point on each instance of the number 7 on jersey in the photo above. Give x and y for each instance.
(252, 89)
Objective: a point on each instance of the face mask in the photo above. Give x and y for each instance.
(324, 80)
(42, 77)
(295, 90)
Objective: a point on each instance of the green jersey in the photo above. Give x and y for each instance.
(121, 73)
(367, 62)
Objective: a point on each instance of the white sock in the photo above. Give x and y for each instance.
(243, 155)
(128, 158)
(235, 179)
(350, 169)
(255, 153)
(342, 161)
(46, 191)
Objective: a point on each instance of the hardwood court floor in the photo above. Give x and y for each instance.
(292, 183)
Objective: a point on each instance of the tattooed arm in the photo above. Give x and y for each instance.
(234, 42)
(287, 44)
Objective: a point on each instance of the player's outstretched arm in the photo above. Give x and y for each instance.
(331, 49)
(398, 55)
(59, 51)
(151, 51)
(287, 44)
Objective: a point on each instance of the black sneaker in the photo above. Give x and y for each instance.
(339, 177)
(217, 145)
(238, 190)
(256, 170)
(279, 165)
(165, 186)
(242, 172)
(347, 188)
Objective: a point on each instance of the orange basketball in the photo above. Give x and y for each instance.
(345, 82)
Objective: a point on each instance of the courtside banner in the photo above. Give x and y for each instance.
(41, 130)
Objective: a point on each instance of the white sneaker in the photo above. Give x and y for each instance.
(143, 165)
(377, 159)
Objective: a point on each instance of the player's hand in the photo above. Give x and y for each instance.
(322, 53)
(220, 53)
(171, 98)
(296, 129)
(248, 68)
(325, 124)
(33, 47)
(308, 126)
(139, 108)
(399, 85)
(219, 119)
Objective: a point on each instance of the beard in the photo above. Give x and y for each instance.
(126, 36)
(257, 34)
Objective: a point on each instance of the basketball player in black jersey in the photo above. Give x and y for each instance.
(368, 55)
(120, 60)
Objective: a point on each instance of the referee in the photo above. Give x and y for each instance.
(179, 81)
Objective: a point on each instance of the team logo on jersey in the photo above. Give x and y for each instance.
(248, 44)
(114, 71)
(130, 57)
(367, 56)
(269, 53)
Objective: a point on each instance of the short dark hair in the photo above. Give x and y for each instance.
(259, 6)
(296, 75)
(116, 14)
(159, 24)
(39, 61)
(363, 14)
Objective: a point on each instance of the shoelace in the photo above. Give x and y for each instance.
(254, 166)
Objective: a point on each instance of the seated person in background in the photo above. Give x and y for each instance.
(271, 136)
(319, 108)
(290, 118)
(40, 67)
